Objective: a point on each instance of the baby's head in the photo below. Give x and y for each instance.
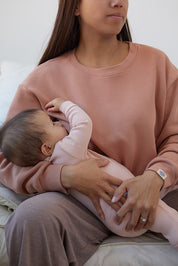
(30, 137)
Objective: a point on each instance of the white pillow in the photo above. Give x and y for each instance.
(11, 75)
(10, 199)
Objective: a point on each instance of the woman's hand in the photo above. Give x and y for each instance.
(89, 179)
(142, 199)
(54, 105)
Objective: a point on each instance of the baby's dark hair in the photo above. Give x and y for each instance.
(21, 139)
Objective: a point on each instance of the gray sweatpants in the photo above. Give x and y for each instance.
(52, 229)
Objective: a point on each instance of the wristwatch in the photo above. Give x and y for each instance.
(161, 173)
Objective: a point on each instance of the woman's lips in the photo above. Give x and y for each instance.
(116, 16)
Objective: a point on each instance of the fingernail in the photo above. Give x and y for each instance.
(114, 199)
(102, 216)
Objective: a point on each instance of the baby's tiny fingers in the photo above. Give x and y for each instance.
(48, 105)
(51, 109)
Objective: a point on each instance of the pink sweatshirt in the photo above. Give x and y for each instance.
(133, 106)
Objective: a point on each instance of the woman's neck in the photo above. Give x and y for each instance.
(98, 54)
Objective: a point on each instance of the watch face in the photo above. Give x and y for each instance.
(162, 173)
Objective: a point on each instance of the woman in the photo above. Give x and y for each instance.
(128, 90)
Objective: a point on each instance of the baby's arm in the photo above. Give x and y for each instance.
(76, 143)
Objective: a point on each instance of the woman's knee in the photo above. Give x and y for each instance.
(37, 211)
(34, 229)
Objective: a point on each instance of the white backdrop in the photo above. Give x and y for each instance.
(25, 27)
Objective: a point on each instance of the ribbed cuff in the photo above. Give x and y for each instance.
(52, 179)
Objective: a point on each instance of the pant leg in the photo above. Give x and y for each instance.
(52, 229)
(171, 199)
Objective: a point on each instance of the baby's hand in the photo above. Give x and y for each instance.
(54, 105)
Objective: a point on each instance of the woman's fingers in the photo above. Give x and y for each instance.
(122, 212)
(115, 206)
(138, 219)
(142, 200)
(115, 181)
(142, 220)
(120, 202)
(105, 196)
(151, 219)
(119, 192)
(133, 221)
(110, 191)
(146, 220)
(96, 203)
(89, 179)
(107, 199)
(139, 215)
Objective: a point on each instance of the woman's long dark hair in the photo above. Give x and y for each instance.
(66, 32)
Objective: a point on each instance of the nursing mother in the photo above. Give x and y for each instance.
(130, 91)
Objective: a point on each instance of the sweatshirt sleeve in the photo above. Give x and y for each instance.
(167, 140)
(42, 177)
(73, 147)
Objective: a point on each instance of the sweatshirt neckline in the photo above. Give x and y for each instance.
(107, 71)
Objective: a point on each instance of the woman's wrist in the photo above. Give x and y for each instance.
(67, 176)
(157, 179)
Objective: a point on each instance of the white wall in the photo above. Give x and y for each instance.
(155, 22)
(25, 27)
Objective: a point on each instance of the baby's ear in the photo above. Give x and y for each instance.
(46, 149)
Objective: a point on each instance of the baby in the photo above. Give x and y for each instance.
(31, 136)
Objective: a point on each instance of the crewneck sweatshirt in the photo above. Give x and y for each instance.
(133, 107)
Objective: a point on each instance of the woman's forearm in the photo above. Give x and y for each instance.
(39, 178)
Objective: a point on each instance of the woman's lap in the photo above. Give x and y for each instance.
(52, 229)
(55, 229)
